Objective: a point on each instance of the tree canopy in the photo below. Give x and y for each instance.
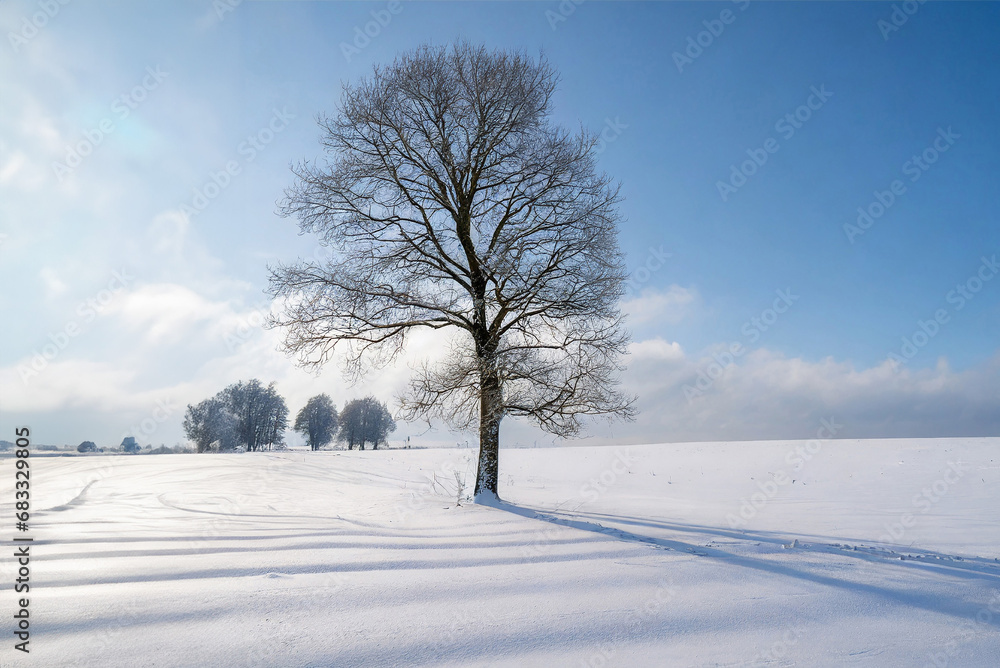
(449, 201)
(245, 413)
(365, 421)
(318, 421)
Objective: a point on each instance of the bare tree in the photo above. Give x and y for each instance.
(450, 201)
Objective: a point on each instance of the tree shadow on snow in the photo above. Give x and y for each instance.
(912, 596)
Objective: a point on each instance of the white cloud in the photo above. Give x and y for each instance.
(12, 166)
(165, 342)
(656, 349)
(65, 383)
(766, 395)
(660, 306)
(54, 286)
(762, 395)
(164, 313)
(168, 232)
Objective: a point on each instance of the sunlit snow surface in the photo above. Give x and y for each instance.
(606, 556)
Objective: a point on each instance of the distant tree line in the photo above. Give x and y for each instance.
(131, 446)
(251, 416)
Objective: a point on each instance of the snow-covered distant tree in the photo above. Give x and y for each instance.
(450, 201)
(317, 421)
(378, 422)
(261, 413)
(211, 421)
(365, 420)
(245, 413)
(352, 429)
(87, 446)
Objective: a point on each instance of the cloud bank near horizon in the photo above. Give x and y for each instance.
(154, 347)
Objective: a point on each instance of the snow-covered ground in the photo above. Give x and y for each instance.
(829, 553)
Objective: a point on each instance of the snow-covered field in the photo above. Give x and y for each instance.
(834, 553)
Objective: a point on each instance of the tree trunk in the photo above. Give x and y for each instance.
(490, 414)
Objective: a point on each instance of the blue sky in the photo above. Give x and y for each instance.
(203, 82)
